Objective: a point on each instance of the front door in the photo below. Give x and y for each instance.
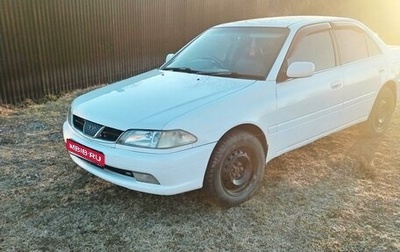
(309, 108)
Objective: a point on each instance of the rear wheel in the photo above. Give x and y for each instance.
(381, 114)
(236, 169)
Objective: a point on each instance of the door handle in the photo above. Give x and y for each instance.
(337, 84)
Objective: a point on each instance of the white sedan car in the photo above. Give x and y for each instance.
(237, 96)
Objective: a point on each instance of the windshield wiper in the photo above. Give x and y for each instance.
(180, 69)
(233, 75)
(223, 73)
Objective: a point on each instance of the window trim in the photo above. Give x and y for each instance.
(299, 35)
(342, 25)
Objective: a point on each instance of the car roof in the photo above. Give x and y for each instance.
(284, 21)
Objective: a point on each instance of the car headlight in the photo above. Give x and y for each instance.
(156, 139)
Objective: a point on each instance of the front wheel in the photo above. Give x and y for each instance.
(235, 169)
(381, 114)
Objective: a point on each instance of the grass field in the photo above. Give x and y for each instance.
(340, 193)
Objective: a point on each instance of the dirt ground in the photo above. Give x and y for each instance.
(340, 193)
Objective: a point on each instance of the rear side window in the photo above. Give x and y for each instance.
(316, 48)
(373, 48)
(352, 44)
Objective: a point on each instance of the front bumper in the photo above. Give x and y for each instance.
(177, 172)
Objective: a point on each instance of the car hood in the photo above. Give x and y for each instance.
(152, 99)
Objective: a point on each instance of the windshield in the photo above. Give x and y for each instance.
(239, 52)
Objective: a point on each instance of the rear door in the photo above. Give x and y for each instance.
(309, 108)
(364, 67)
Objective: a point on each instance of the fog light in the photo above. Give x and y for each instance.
(146, 178)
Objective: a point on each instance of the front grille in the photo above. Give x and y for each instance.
(112, 169)
(91, 128)
(95, 130)
(120, 171)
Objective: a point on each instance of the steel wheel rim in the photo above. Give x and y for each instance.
(238, 171)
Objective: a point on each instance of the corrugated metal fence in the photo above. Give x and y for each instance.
(52, 46)
(49, 47)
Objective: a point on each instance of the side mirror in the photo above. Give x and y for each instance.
(169, 57)
(300, 69)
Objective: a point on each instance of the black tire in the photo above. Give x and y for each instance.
(381, 114)
(235, 170)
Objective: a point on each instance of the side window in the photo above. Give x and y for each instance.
(352, 44)
(316, 48)
(373, 48)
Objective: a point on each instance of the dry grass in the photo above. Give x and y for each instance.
(340, 193)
